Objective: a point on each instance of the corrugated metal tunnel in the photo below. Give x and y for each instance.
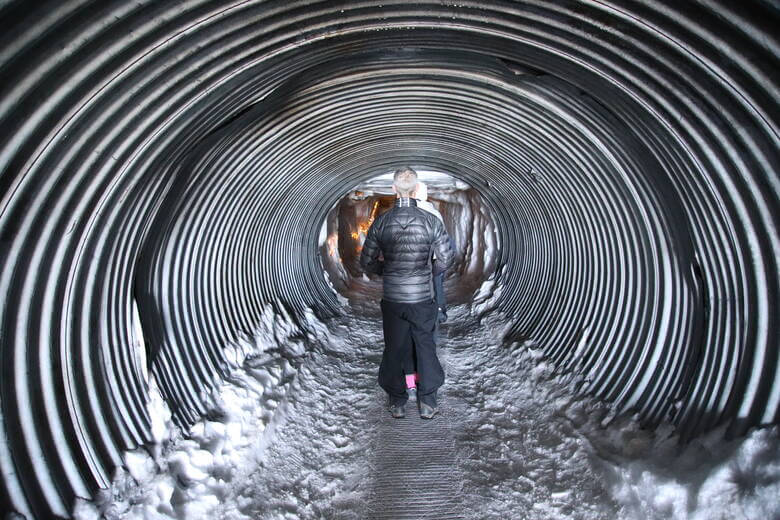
(186, 154)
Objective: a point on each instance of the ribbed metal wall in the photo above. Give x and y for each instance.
(185, 154)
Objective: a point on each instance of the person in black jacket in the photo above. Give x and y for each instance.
(408, 237)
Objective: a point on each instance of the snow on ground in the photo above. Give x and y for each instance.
(292, 431)
(533, 449)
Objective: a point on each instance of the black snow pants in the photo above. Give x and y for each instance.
(405, 324)
(410, 363)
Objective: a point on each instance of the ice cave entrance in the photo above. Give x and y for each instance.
(466, 217)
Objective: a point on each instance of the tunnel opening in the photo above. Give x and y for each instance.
(466, 217)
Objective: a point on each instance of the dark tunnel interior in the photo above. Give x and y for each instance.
(618, 160)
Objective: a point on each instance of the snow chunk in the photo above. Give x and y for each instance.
(85, 510)
(139, 464)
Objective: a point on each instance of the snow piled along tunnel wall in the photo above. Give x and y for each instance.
(184, 155)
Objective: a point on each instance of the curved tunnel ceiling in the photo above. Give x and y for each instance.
(185, 154)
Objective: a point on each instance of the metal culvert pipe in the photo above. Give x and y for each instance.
(185, 155)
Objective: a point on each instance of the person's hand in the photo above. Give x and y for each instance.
(442, 315)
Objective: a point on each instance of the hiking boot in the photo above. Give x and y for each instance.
(427, 411)
(397, 411)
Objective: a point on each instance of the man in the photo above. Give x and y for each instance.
(408, 237)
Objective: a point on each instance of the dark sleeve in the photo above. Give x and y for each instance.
(369, 256)
(442, 247)
(438, 290)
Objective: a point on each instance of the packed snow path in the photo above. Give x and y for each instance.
(369, 465)
(415, 474)
(337, 453)
(304, 433)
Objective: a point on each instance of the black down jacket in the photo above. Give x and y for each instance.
(407, 236)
